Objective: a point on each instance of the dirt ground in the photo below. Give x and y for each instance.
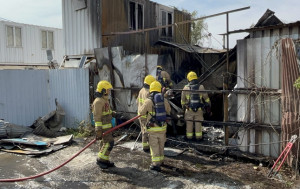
(188, 169)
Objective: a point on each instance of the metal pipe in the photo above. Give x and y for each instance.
(182, 22)
(239, 91)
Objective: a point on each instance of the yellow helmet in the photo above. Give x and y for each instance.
(155, 86)
(159, 67)
(149, 79)
(191, 76)
(103, 86)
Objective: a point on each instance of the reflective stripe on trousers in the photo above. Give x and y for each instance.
(102, 154)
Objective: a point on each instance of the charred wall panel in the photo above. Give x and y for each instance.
(182, 33)
(115, 16)
(81, 27)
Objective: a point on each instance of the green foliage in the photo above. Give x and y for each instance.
(82, 131)
(198, 30)
(297, 83)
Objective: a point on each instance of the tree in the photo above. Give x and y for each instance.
(198, 33)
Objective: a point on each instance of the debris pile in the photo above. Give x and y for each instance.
(49, 124)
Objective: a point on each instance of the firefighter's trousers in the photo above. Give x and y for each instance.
(196, 116)
(157, 143)
(145, 135)
(106, 145)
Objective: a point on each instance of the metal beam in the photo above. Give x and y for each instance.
(183, 22)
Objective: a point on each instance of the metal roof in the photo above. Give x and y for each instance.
(266, 27)
(190, 48)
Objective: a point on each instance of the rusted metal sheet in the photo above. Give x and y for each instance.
(290, 96)
(115, 18)
(184, 29)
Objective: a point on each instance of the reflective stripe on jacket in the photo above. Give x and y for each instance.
(102, 112)
(148, 110)
(143, 95)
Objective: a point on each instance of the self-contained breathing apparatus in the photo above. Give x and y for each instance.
(195, 101)
(160, 116)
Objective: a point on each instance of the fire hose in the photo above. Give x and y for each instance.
(88, 145)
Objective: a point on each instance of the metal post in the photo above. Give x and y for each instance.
(225, 84)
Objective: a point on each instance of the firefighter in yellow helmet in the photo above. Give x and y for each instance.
(164, 78)
(102, 117)
(143, 95)
(194, 105)
(156, 108)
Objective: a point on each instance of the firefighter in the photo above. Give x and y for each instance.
(143, 95)
(102, 117)
(164, 78)
(156, 108)
(193, 104)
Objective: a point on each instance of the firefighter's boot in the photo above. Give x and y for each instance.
(110, 164)
(102, 165)
(155, 168)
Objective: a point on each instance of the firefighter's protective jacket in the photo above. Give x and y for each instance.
(143, 95)
(148, 110)
(186, 96)
(166, 79)
(102, 113)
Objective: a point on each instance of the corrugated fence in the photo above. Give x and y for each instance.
(26, 95)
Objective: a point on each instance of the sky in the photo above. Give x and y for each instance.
(49, 13)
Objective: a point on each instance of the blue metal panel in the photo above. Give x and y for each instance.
(23, 98)
(71, 88)
(26, 95)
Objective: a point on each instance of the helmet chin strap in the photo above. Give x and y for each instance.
(193, 82)
(146, 86)
(98, 95)
(101, 94)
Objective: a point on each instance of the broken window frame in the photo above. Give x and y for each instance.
(135, 16)
(47, 41)
(14, 38)
(166, 18)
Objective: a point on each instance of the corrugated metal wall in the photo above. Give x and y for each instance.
(259, 67)
(31, 51)
(82, 31)
(27, 94)
(81, 27)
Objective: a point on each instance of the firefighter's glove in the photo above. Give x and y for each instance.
(169, 93)
(118, 115)
(99, 133)
(163, 90)
(114, 113)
